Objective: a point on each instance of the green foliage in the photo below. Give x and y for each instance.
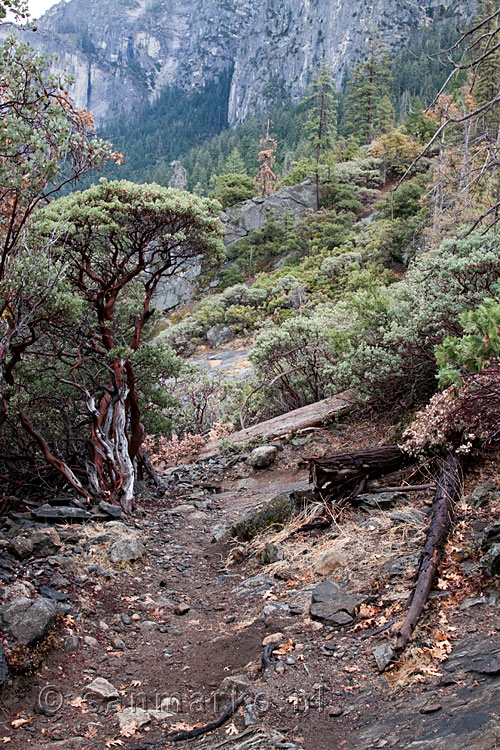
(396, 356)
(478, 345)
(233, 188)
(297, 357)
(368, 110)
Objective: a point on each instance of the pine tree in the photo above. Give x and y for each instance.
(368, 108)
(321, 123)
(486, 82)
(234, 163)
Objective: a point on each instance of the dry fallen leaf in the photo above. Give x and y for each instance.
(77, 702)
(6, 739)
(136, 683)
(284, 648)
(232, 729)
(114, 743)
(20, 722)
(129, 729)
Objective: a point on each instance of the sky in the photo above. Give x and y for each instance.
(37, 7)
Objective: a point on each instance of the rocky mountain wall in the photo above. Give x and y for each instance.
(123, 53)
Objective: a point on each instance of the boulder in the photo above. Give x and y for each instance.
(127, 549)
(218, 335)
(276, 513)
(29, 620)
(332, 605)
(262, 457)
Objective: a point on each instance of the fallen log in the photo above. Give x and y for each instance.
(346, 474)
(298, 419)
(449, 486)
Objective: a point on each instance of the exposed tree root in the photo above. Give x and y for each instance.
(189, 734)
(449, 487)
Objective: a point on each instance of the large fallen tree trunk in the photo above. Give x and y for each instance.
(449, 486)
(344, 474)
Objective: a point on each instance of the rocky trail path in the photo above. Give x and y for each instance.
(162, 641)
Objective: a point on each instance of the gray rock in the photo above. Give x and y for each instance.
(262, 457)
(61, 514)
(218, 335)
(29, 620)
(483, 494)
(384, 655)
(332, 605)
(271, 553)
(101, 688)
(276, 514)
(111, 510)
(127, 549)
(255, 586)
(21, 547)
(381, 500)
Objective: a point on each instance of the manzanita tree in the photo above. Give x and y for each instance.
(45, 142)
(115, 242)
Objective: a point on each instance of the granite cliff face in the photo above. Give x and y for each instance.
(124, 52)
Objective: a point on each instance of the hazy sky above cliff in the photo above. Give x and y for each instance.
(37, 7)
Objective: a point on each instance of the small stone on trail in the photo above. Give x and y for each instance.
(112, 510)
(431, 709)
(101, 688)
(127, 549)
(132, 718)
(383, 655)
(274, 637)
(334, 711)
(181, 609)
(263, 457)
